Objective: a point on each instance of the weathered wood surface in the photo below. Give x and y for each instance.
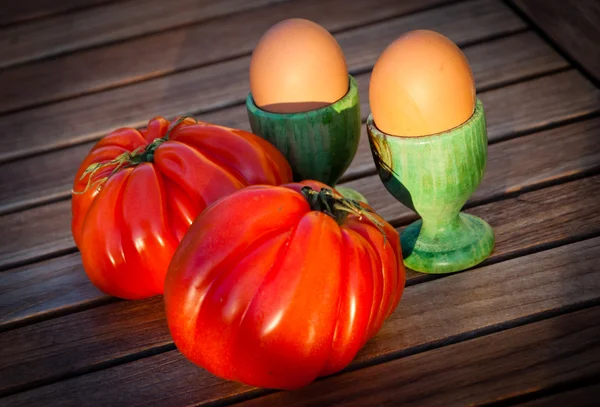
(18, 11)
(507, 172)
(207, 88)
(572, 25)
(45, 288)
(229, 35)
(519, 329)
(450, 309)
(478, 371)
(554, 214)
(107, 23)
(494, 63)
(60, 283)
(585, 396)
(35, 234)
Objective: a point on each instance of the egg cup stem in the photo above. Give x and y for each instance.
(435, 175)
(319, 144)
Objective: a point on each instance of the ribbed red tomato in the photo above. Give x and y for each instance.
(142, 190)
(275, 286)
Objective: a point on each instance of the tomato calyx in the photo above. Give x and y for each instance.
(339, 207)
(127, 159)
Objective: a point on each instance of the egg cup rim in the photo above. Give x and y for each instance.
(351, 93)
(478, 114)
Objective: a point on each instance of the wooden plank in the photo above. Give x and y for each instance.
(553, 214)
(483, 370)
(450, 309)
(29, 239)
(509, 170)
(47, 287)
(580, 397)
(222, 38)
(493, 63)
(60, 346)
(558, 153)
(529, 56)
(115, 21)
(110, 66)
(52, 286)
(557, 91)
(35, 234)
(215, 86)
(42, 231)
(18, 11)
(572, 25)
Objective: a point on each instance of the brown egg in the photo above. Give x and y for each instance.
(421, 84)
(297, 66)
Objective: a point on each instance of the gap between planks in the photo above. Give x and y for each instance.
(574, 166)
(570, 30)
(221, 85)
(54, 185)
(179, 47)
(578, 157)
(534, 293)
(577, 153)
(462, 359)
(542, 207)
(55, 8)
(578, 393)
(106, 24)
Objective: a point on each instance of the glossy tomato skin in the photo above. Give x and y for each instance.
(265, 291)
(128, 229)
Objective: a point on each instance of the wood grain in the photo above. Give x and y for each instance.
(65, 345)
(556, 91)
(572, 25)
(173, 50)
(32, 235)
(509, 170)
(111, 22)
(110, 66)
(561, 152)
(487, 369)
(215, 86)
(18, 11)
(35, 291)
(493, 63)
(453, 308)
(580, 397)
(42, 231)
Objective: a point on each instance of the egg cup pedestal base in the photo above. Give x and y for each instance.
(435, 175)
(319, 144)
(457, 246)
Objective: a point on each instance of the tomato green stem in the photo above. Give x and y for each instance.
(339, 207)
(127, 159)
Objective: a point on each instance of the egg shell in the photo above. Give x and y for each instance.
(421, 84)
(297, 66)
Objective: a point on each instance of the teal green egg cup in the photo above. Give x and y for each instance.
(319, 144)
(435, 175)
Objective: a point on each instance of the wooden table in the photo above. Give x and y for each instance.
(522, 328)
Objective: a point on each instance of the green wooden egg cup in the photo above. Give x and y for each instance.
(319, 144)
(435, 175)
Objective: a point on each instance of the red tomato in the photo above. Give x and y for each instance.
(269, 290)
(128, 227)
